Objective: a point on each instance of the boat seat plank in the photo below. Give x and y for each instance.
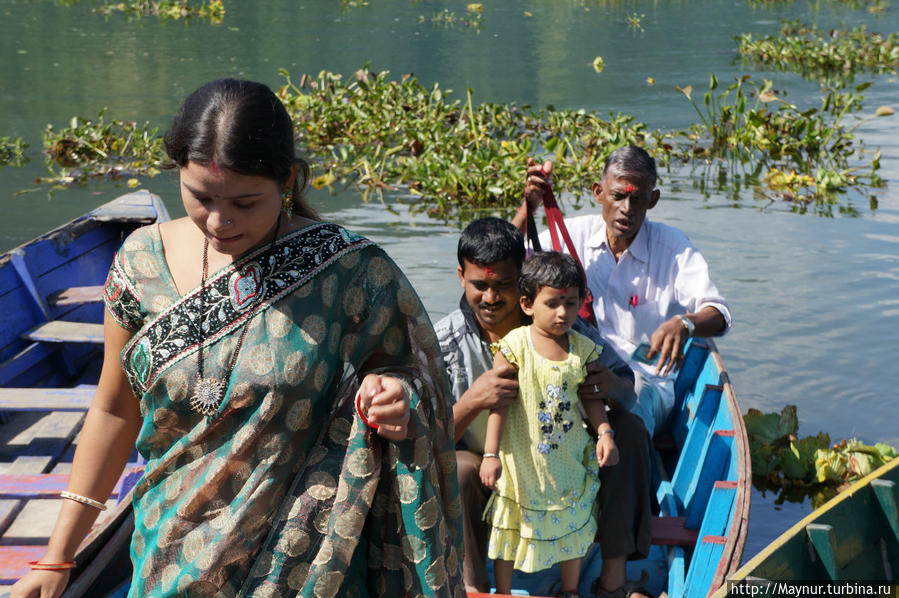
(824, 542)
(887, 494)
(670, 531)
(47, 399)
(59, 331)
(45, 485)
(14, 561)
(23, 361)
(76, 296)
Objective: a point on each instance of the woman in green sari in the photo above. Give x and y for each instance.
(281, 378)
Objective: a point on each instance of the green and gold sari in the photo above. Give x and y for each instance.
(284, 491)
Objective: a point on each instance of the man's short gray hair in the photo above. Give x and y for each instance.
(632, 160)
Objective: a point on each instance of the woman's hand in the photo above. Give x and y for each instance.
(491, 470)
(606, 451)
(386, 405)
(41, 584)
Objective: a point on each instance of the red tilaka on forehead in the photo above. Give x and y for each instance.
(629, 188)
(214, 167)
(489, 271)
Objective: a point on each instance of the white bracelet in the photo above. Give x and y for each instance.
(606, 431)
(83, 500)
(494, 455)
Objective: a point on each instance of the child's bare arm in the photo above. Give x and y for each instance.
(491, 468)
(606, 450)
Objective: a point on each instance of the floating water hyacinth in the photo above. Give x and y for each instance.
(214, 10)
(834, 55)
(748, 130)
(97, 147)
(12, 151)
(456, 159)
(812, 465)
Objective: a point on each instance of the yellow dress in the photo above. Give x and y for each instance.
(543, 511)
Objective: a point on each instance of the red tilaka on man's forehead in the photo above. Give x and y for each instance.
(489, 271)
(629, 188)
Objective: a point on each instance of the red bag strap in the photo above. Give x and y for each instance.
(557, 227)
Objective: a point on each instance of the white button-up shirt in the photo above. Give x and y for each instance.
(659, 276)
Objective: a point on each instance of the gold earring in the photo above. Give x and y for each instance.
(287, 203)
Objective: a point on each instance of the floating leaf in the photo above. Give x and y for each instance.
(687, 90)
(599, 64)
(133, 183)
(325, 180)
(885, 111)
(650, 81)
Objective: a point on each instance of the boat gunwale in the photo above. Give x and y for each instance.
(738, 528)
(800, 525)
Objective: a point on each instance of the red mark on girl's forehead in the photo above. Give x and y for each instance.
(214, 167)
(489, 271)
(629, 188)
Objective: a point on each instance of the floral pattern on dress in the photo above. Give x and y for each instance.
(553, 417)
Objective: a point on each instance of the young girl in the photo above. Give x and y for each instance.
(542, 471)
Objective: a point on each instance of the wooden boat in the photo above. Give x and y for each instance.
(51, 338)
(852, 537)
(50, 363)
(704, 466)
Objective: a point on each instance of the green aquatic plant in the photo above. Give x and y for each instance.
(833, 55)
(445, 156)
(748, 131)
(810, 465)
(473, 17)
(635, 21)
(12, 151)
(97, 147)
(214, 10)
(455, 159)
(872, 6)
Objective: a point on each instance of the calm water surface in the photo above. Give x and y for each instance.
(814, 299)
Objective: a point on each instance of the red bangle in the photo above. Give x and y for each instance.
(51, 566)
(361, 414)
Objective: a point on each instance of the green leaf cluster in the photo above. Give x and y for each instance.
(97, 147)
(833, 55)
(12, 151)
(783, 459)
(214, 10)
(453, 157)
(808, 155)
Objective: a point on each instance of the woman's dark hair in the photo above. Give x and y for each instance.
(490, 240)
(550, 269)
(240, 126)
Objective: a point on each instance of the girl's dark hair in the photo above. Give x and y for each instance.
(490, 240)
(550, 269)
(240, 126)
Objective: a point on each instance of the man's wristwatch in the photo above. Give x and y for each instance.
(688, 324)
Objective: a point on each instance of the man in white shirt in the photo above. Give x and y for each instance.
(649, 283)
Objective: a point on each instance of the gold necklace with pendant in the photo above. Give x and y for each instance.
(209, 392)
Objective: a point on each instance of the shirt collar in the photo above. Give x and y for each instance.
(639, 247)
(471, 322)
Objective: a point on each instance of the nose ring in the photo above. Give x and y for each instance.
(227, 222)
